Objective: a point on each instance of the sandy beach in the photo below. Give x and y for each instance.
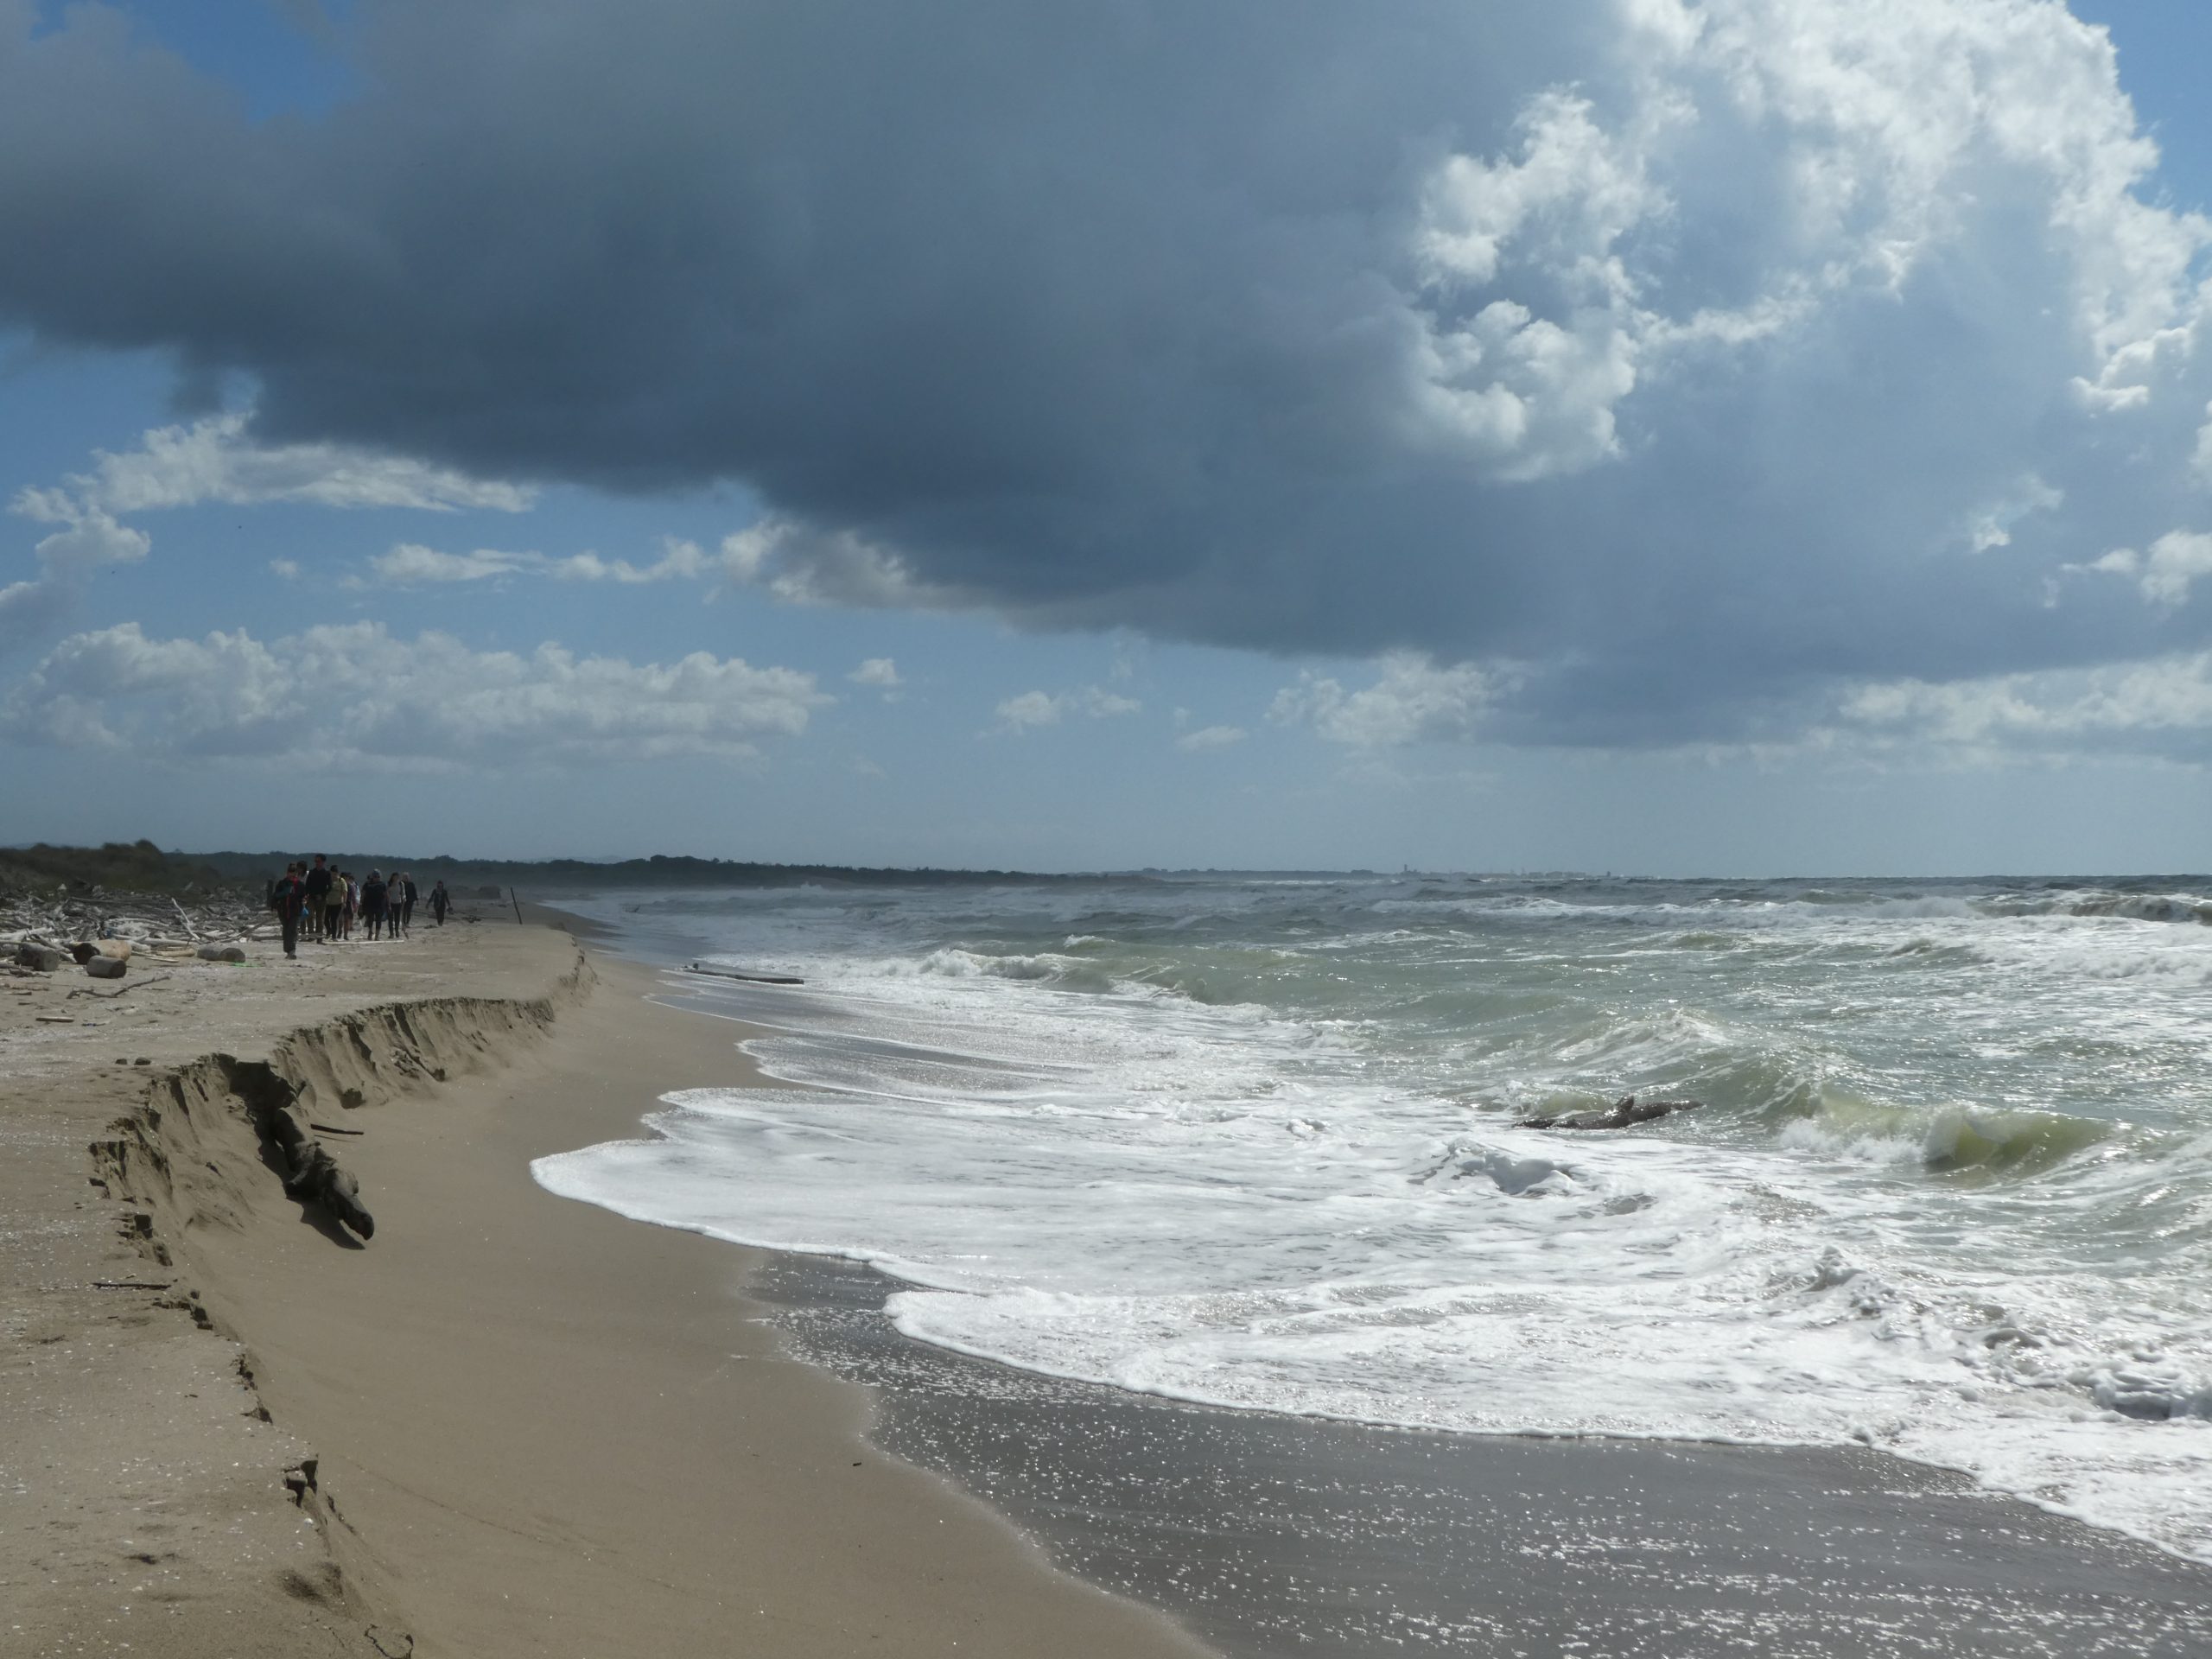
(509, 1425)
(515, 1424)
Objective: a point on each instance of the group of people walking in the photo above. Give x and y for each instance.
(322, 905)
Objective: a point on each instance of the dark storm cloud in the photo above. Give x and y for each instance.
(1694, 386)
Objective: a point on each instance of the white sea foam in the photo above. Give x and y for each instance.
(1951, 1192)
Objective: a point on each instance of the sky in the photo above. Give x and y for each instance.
(1664, 436)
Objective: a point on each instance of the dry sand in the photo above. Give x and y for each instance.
(509, 1424)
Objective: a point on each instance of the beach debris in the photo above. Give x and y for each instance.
(746, 975)
(1624, 1114)
(46, 958)
(107, 967)
(392, 1644)
(221, 953)
(121, 990)
(311, 1175)
(72, 914)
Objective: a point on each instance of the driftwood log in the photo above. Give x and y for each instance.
(1622, 1115)
(66, 916)
(746, 975)
(311, 1175)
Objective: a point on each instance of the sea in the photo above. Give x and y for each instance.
(1262, 1141)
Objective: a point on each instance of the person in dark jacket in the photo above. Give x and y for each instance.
(317, 899)
(440, 902)
(406, 902)
(373, 894)
(287, 893)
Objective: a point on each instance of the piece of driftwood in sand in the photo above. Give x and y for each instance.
(746, 975)
(311, 1175)
(1622, 1115)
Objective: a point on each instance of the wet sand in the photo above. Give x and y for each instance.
(1268, 1535)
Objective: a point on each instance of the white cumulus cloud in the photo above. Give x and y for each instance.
(410, 564)
(1211, 737)
(2163, 708)
(1033, 709)
(359, 691)
(2167, 572)
(780, 556)
(881, 671)
(678, 559)
(88, 540)
(1413, 700)
(802, 565)
(217, 459)
(1861, 138)
(1030, 710)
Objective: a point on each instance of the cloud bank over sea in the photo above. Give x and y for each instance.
(1625, 374)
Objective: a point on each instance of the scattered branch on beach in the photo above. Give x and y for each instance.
(110, 996)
